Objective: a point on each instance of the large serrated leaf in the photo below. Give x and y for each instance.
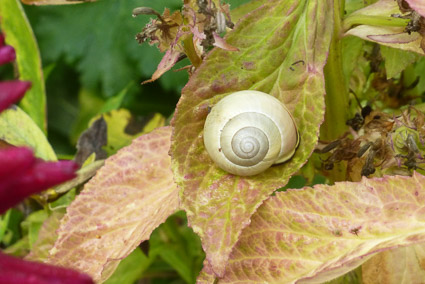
(316, 234)
(283, 48)
(19, 34)
(127, 199)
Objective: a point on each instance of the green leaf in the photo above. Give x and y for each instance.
(317, 234)
(119, 208)
(15, 25)
(115, 101)
(130, 268)
(32, 225)
(10, 227)
(64, 201)
(18, 129)
(46, 237)
(396, 60)
(271, 39)
(179, 246)
(118, 121)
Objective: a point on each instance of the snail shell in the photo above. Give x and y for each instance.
(248, 131)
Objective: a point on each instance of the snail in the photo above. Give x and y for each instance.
(248, 131)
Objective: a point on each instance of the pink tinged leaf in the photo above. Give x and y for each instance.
(390, 36)
(119, 208)
(317, 234)
(7, 54)
(36, 178)
(221, 43)
(399, 38)
(11, 92)
(418, 6)
(167, 62)
(271, 39)
(14, 270)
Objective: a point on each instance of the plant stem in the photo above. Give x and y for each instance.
(336, 90)
(373, 21)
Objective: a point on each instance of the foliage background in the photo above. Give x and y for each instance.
(93, 64)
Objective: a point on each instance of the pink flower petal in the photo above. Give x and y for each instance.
(7, 54)
(11, 92)
(15, 270)
(14, 161)
(42, 175)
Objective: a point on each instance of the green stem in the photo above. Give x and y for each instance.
(336, 87)
(353, 20)
(336, 90)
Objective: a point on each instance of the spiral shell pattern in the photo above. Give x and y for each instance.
(248, 131)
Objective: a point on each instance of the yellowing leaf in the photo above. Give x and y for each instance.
(283, 47)
(119, 120)
(119, 208)
(400, 265)
(18, 129)
(315, 234)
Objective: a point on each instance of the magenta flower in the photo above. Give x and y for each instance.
(10, 91)
(21, 175)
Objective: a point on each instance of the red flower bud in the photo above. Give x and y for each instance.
(14, 270)
(7, 54)
(21, 175)
(11, 92)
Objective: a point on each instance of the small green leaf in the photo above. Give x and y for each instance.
(18, 129)
(32, 225)
(118, 122)
(19, 34)
(396, 60)
(130, 268)
(46, 237)
(179, 246)
(115, 101)
(64, 201)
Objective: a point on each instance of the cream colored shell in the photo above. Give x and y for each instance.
(248, 131)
